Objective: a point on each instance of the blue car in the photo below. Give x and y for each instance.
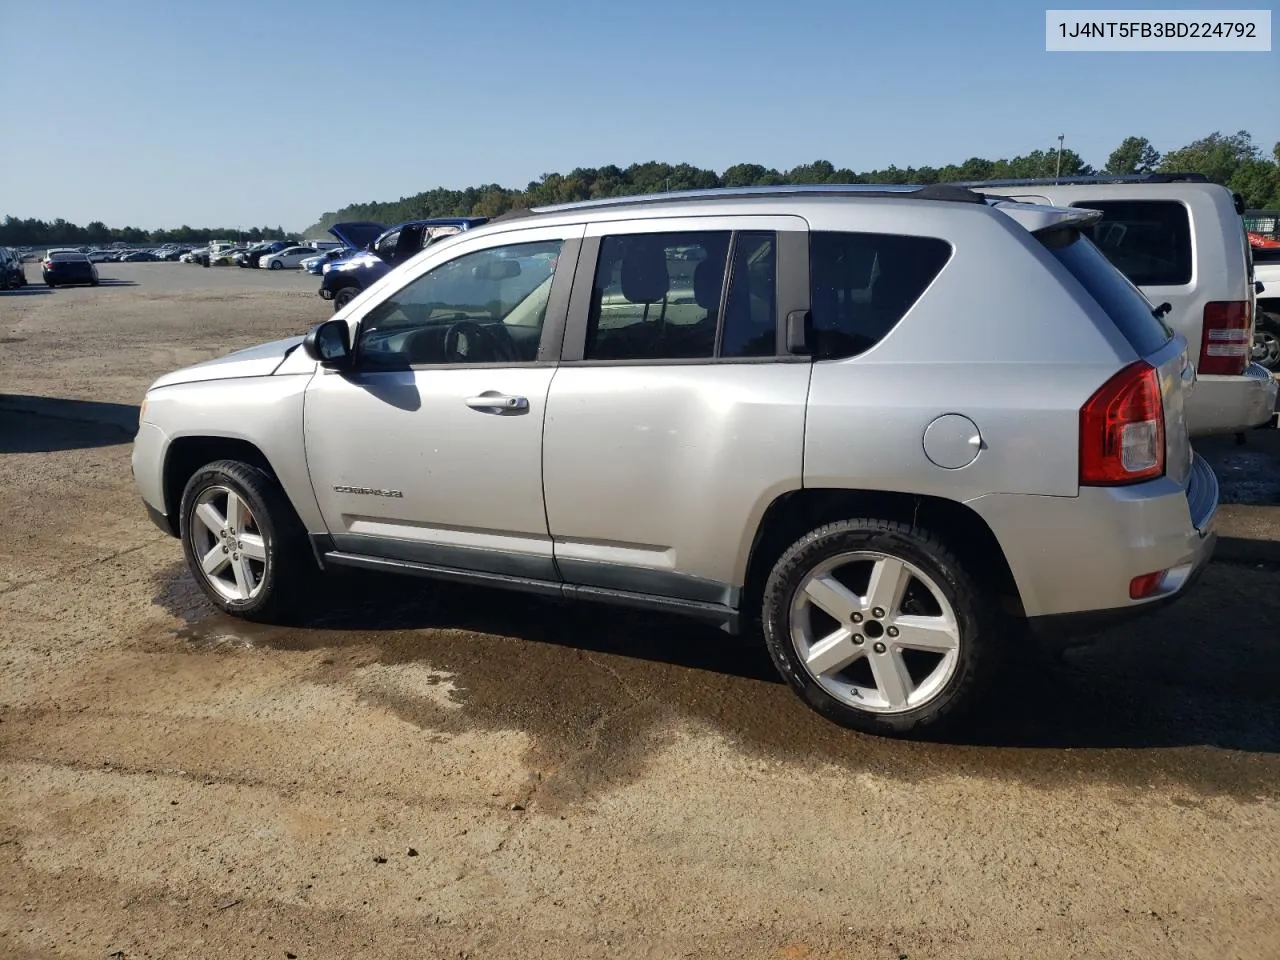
(315, 265)
(380, 253)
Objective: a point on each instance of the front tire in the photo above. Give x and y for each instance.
(277, 265)
(877, 626)
(1266, 340)
(344, 296)
(243, 542)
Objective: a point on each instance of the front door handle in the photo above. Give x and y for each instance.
(491, 401)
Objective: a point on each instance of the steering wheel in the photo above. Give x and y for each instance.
(476, 335)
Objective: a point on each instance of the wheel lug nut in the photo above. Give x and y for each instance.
(857, 639)
(879, 648)
(857, 618)
(892, 631)
(878, 612)
(225, 548)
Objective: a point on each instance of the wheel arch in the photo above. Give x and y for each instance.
(794, 513)
(185, 455)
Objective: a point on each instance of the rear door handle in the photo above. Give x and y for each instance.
(493, 402)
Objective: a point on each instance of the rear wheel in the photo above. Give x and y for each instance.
(343, 297)
(877, 626)
(243, 542)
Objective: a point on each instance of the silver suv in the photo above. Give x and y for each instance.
(893, 427)
(1182, 240)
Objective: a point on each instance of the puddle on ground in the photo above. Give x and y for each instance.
(1185, 697)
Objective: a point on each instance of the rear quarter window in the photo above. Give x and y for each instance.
(862, 284)
(1149, 241)
(1124, 303)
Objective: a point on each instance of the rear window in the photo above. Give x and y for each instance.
(68, 255)
(1148, 240)
(1128, 309)
(863, 284)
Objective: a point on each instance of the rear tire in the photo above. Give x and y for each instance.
(912, 643)
(250, 559)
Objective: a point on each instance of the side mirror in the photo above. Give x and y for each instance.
(330, 343)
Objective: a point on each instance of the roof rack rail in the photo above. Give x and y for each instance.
(955, 193)
(1094, 178)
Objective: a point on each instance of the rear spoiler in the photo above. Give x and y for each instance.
(1039, 218)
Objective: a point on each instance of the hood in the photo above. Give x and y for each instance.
(357, 233)
(259, 361)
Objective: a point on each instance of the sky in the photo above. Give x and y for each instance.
(266, 112)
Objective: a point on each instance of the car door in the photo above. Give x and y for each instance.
(669, 429)
(429, 449)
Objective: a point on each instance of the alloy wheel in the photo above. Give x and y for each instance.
(226, 539)
(875, 632)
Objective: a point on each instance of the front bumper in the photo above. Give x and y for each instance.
(1073, 558)
(1221, 405)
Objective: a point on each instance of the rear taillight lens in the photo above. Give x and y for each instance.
(1122, 429)
(1224, 341)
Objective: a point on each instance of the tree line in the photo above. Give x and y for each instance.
(1233, 160)
(33, 232)
(1230, 159)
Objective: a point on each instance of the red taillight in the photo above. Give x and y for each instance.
(1224, 340)
(1145, 585)
(1122, 429)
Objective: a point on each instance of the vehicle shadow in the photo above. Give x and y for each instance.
(112, 282)
(27, 291)
(49, 424)
(1203, 672)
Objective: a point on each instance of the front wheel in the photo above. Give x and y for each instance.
(277, 265)
(877, 626)
(1266, 341)
(344, 296)
(243, 542)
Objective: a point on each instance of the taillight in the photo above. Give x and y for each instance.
(1122, 429)
(1224, 341)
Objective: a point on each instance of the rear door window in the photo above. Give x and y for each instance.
(1148, 240)
(1124, 303)
(864, 283)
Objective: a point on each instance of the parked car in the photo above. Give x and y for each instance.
(381, 250)
(897, 427)
(68, 266)
(288, 258)
(1182, 241)
(12, 272)
(250, 257)
(100, 256)
(139, 256)
(226, 257)
(315, 265)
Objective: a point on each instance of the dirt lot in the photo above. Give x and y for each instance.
(436, 772)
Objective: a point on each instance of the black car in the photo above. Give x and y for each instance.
(12, 273)
(68, 266)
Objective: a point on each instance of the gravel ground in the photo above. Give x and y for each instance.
(436, 772)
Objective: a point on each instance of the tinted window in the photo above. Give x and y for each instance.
(656, 296)
(1148, 240)
(387, 245)
(482, 307)
(1123, 302)
(863, 284)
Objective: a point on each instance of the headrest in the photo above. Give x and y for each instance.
(707, 277)
(644, 273)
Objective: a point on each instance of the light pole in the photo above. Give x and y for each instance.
(1058, 173)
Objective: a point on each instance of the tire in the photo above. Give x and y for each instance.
(1266, 340)
(275, 583)
(344, 296)
(277, 265)
(50, 284)
(944, 685)
(93, 282)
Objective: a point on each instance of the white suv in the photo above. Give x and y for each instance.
(1182, 241)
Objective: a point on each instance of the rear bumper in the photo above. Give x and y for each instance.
(1231, 404)
(1073, 558)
